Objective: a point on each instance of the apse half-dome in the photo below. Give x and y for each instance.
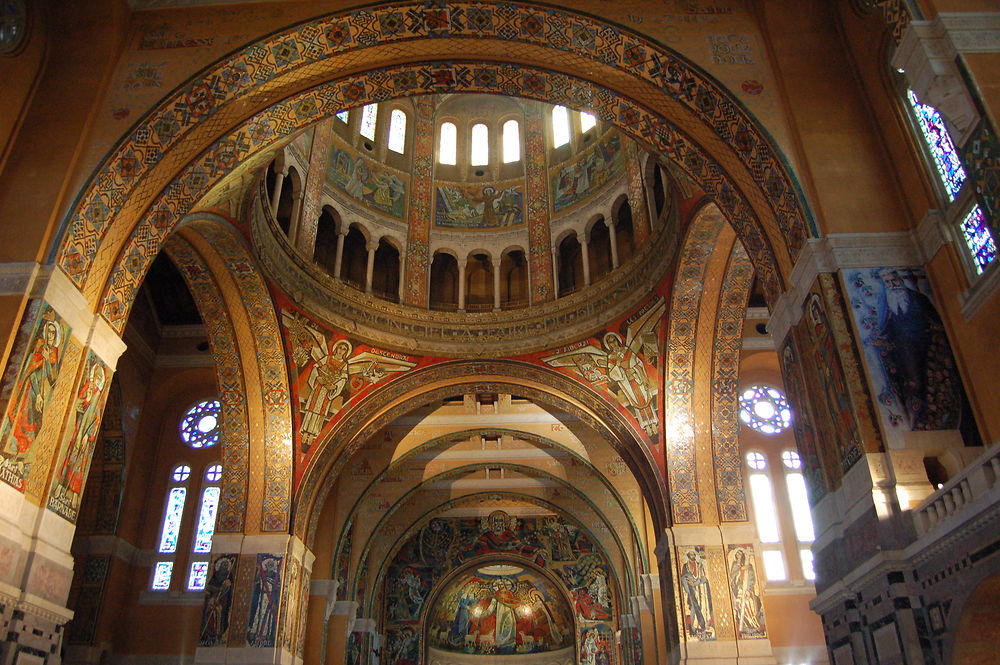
(500, 609)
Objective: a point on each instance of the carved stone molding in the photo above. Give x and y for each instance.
(973, 32)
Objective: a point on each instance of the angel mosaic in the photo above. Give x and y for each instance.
(625, 367)
(329, 373)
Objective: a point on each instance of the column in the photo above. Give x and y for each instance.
(461, 286)
(536, 197)
(279, 180)
(636, 196)
(613, 235)
(296, 220)
(341, 234)
(371, 247)
(496, 284)
(555, 271)
(319, 157)
(581, 236)
(416, 260)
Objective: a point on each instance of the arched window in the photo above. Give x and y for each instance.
(200, 425)
(205, 527)
(397, 131)
(444, 282)
(587, 121)
(448, 143)
(369, 116)
(343, 116)
(560, 126)
(511, 142)
(173, 514)
(766, 517)
(479, 150)
(799, 502)
(978, 239)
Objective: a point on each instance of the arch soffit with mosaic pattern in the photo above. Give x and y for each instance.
(750, 176)
(547, 388)
(458, 472)
(464, 435)
(223, 277)
(420, 522)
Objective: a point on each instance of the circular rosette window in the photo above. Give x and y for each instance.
(765, 409)
(200, 426)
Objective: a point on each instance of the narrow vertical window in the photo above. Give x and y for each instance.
(587, 122)
(397, 131)
(560, 126)
(198, 575)
(479, 154)
(801, 517)
(940, 145)
(343, 116)
(172, 520)
(978, 239)
(511, 142)
(448, 144)
(161, 575)
(206, 520)
(766, 516)
(369, 114)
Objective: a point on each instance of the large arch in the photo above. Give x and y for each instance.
(157, 173)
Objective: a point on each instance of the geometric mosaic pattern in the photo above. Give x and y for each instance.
(725, 378)
(134, 186)
(682, 470)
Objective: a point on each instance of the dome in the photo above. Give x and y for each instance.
(466, 222)
(500, 609)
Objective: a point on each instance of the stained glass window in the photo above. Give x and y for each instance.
(369, 115)
(756, 461)
(938, 141)
(763, 503)
(511, 142)
(774, 565)
(808, 568)
(480, 150)
(199, 573)
(447, 148)
(200, 426)
(979, 239)
(560, 126)
(206, 520)
(161, 575)
(587, 121)
(213, 474)
(791, 459)
(799, 500)
(397, 131)
(343, 115)
(181, 473)
(765, 410)
(172, 520)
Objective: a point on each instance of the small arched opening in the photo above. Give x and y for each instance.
(513, 280)
(479, 283)
(325, 252)
(385, 278)
(570, 266)
(354, 264)
(444, 282)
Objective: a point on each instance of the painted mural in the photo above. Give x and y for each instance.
(577, 180)
(744, 585)
(478, 207)
(699, 617)
(264, 601)
(598, 645)
(368, 182)
(826, 381)
(623, 364)
(442, 545)
(500, 610)
(912, 369)
(813, 467)
(77, 450)
(218, 601)
(329, 372)
(35, 383)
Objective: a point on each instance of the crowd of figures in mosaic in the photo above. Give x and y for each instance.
(579, 179)
(468, 207)
(442, 545)
(376, 186)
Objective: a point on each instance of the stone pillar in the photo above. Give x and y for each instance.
(248, 576)
(555, 270)
(319, 158)
(370, 270)
(636, 195)
(279, 180)
(536, 196)
(613, 237)
(461, 286)
(296, 220)
(496, 284)
(63, 366)
(416, 259)
(585, 256)
(341, 234)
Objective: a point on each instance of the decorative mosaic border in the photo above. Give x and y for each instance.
(131, 176)
(725, 379)
(682, 471)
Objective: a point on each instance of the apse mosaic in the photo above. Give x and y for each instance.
(368, 182)
(479, 207)
(500, 609)
(910, 362)
(442, 545)
(580, 178)
(622, 364)
(33, 389)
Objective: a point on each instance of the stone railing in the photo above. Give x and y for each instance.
(976, 487)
